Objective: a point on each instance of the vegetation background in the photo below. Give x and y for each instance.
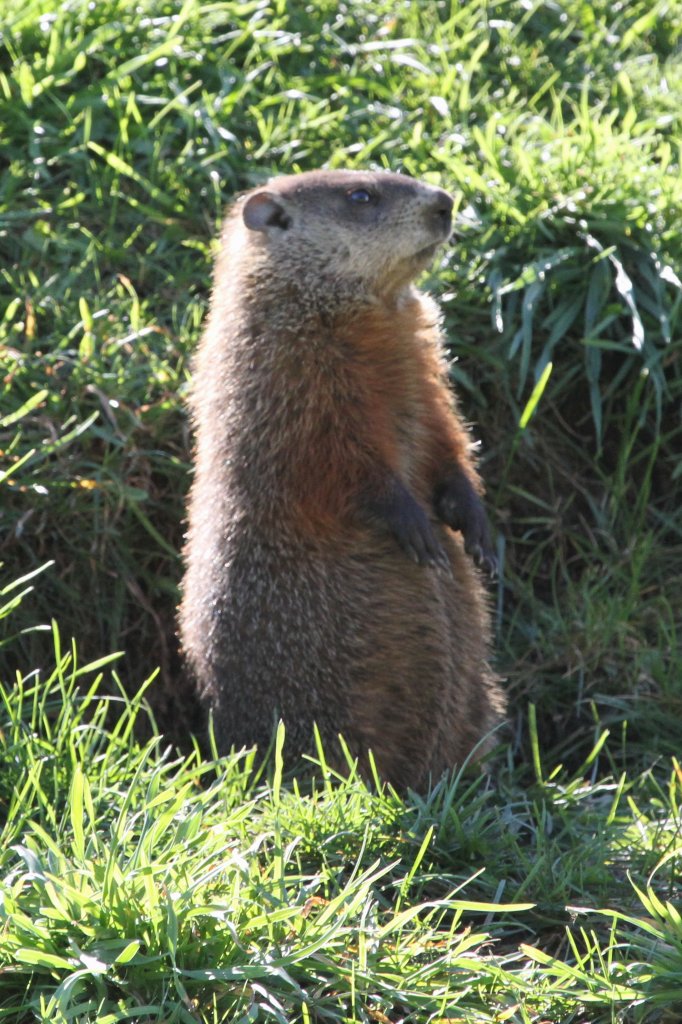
(141, 882)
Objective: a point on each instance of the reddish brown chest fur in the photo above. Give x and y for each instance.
(333, 406)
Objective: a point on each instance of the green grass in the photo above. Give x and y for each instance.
(140, 882)
(139, 886)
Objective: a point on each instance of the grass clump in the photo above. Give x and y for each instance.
(138, 885)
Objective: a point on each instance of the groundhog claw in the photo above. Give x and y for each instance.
(485, 560)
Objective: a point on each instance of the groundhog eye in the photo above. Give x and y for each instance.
(360, 195)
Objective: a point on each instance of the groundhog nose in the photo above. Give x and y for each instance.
(441, 210)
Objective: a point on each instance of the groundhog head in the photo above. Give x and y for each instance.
(348, 230)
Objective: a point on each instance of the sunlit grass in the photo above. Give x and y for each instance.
(138, 885)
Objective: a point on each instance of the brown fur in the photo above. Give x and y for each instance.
(322, 583)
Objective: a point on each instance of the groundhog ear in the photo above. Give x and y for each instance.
(265, 210)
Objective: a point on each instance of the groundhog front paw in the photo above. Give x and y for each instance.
(459, 506)
(410, 525)
(416, 536)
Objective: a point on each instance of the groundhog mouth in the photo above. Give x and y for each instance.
(429, 251)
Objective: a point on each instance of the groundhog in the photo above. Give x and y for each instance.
(335, 512)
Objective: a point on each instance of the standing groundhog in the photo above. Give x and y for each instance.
(335, 507)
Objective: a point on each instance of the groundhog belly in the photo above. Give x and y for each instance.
(352, 638)
(423, 699)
